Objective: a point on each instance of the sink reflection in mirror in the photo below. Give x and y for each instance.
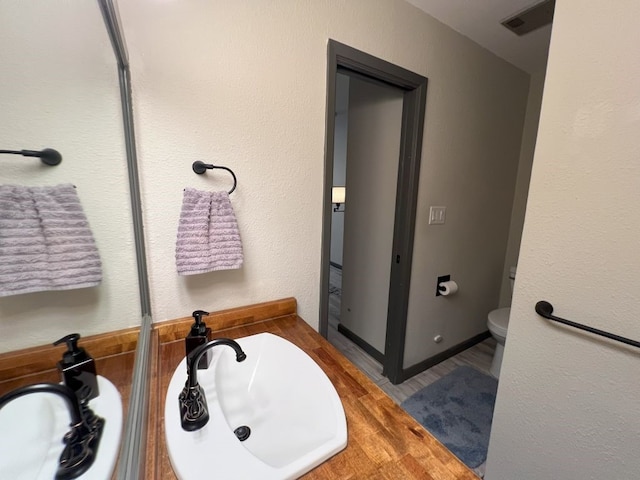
(32, 428)
(294, 415)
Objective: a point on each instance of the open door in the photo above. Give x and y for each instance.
(406, 166)
(374, 123)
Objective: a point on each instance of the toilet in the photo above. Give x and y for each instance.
(498, 322)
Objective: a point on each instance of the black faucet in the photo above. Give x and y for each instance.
(81, 442)
(194, 413)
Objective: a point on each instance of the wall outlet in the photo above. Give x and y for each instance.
(437, 215)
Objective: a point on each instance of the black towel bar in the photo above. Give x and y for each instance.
(48, 156)
(201, 167)
(545, 309)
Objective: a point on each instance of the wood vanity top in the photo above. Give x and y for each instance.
(384, 441)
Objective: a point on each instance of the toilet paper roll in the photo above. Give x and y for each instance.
(448, 288)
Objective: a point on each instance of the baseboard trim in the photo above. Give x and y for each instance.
(370, 350)
(407, 373)
(178, 329)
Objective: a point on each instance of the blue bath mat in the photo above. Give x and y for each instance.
(457, 409)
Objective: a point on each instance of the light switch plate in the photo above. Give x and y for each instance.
(437, 215)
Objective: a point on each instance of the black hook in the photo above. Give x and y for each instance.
(48, 156)
(201, 167)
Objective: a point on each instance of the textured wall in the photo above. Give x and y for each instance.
(475, 113)
(567, 403)
(529, 134)
(243, 84)
(59, 89)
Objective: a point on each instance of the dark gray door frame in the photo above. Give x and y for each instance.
(343, 57)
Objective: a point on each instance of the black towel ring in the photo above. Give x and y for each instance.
(201, 167)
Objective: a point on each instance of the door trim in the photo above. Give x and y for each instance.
(413, 114)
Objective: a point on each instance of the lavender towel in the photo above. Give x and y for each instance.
(208, 235)
(45, 241)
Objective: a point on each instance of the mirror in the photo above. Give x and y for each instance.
(59, 89)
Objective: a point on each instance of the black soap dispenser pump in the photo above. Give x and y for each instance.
(78, 369)
(199, 335)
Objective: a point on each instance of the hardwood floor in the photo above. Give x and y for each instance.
(479, 356)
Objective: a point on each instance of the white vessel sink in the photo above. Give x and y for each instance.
(32, 428)
(293, 410)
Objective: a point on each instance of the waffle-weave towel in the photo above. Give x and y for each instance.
(208, 236)
(45, 241)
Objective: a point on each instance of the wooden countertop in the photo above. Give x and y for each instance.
(384, 442)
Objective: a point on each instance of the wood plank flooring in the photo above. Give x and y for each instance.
(478, 356)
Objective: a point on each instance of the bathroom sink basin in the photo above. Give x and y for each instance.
(32, 428)
(292, 409)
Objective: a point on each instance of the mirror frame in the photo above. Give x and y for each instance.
(133, 445)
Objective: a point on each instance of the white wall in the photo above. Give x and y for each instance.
(373, 147)
(243, 84)
(529, 134)
(567, 403)
(59, 89)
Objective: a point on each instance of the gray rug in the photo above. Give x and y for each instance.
(457, 409)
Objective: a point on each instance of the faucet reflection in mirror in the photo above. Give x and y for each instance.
(82, 441)
(338, 197)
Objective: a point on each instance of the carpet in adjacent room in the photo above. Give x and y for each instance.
(458, 409)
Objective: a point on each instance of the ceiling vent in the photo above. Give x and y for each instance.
(532, 18)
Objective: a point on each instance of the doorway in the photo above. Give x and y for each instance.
(392, 269)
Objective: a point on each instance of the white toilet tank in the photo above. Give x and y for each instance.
(498, 324)
(512, 277)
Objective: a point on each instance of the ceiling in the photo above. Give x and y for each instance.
(480, 20)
